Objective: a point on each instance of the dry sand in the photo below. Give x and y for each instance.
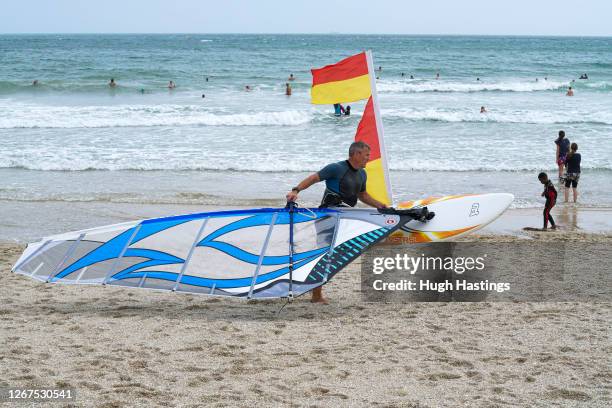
(128, 347)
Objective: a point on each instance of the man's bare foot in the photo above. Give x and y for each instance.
(317, 296)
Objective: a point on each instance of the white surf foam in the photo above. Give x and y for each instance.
(42, 116)
(395, 86)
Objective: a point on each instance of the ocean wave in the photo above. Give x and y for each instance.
(38, 116)
(599, 85)
(274, 166)
(386, 86)
(502, 116)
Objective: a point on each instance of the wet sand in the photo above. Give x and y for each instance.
(119, 346)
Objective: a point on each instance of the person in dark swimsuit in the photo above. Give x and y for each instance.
(563, 145)
(572, 175)
(345, 184)
(550, 193)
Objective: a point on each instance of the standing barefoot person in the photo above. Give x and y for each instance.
(573, 172)
(563, 145)
(551, 199)
(345, 184)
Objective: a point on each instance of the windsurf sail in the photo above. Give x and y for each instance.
(258, 253)
(349, 80)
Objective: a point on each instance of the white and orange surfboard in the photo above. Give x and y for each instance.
(456, 215)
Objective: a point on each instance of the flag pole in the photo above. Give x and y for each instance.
(379, 124)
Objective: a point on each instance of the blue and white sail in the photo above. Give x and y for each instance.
(244, 253)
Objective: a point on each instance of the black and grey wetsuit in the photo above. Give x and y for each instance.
(343, 183)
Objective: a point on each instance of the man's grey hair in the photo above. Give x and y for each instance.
(357, 146)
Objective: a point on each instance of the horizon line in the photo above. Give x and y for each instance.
(315, 33)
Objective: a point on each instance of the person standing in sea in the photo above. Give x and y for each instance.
(563, 146)
(573, 172)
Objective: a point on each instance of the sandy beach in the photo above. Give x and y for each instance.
(160, 349)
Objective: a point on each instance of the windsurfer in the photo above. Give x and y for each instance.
(345, 184)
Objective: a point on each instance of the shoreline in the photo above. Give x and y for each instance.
(65, 217)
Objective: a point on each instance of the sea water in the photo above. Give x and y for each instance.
(73, 139)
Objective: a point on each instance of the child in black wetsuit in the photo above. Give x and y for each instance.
(550, 193)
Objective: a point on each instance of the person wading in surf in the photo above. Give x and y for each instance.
(345, 184)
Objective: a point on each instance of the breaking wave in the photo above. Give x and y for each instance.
(444, 86)
(38, 116)
(502, 116)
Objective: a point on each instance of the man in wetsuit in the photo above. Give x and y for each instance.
(550, 193)
(345, 184)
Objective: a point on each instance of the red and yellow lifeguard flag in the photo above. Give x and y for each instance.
(378, 185)
(345, 81)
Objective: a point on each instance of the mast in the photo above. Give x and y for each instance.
(379, 125)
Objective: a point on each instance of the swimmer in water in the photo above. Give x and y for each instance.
(437, 75)
(112, 83)
(248, 88)
(35, 82)
(570, 92)
(287, 89)
(338, 109)
(483, 109)
(171, 85)
(291, 78)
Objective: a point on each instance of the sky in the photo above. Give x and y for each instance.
(468, 17)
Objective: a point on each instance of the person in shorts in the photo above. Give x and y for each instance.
(563, 145)
(572, 175)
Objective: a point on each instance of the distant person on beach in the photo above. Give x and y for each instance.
(403, 74)
(248, 88)
(35, 82)
(287, 89)
(570, 92)
(411, 77)
(291, 78)
(437, 75)
(171, 85)
(483, 109)
(347, 110)
(112, 83)
(572, 175)
(563, 146)
(206, 79)
(550, 193)
(345, 184)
